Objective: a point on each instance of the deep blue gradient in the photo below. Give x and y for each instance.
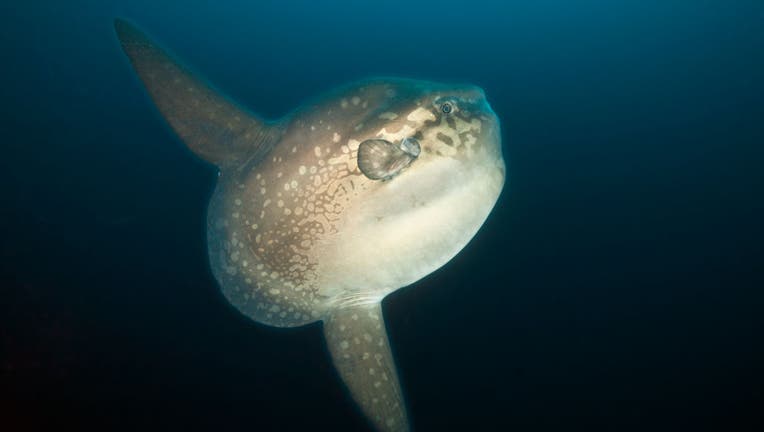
(616, 286)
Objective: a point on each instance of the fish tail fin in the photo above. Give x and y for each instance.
(357, 340)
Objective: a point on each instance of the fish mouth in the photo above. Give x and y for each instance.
(493, 138)
(502, 168)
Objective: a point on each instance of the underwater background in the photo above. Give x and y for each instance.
(617, 285)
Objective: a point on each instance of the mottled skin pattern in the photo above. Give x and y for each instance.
(269, 227)
(297, 233)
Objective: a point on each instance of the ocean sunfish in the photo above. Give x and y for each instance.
(319, 215)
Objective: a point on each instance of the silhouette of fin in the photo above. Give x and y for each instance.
(213, 127)
(357, 341)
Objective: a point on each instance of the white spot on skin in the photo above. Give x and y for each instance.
(317, 151)
(344, 103)
(404, 132)
(302, 170)
(237, 202)
(388, 115)
(355, 100)
(344, 344)
(336, 138)
(470, 140)
(420, 115)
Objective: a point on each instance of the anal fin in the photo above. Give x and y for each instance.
(358, 343)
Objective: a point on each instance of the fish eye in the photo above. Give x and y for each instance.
(446, 107)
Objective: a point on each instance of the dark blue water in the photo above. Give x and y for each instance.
(616, 286)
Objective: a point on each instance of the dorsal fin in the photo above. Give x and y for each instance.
(212, 126)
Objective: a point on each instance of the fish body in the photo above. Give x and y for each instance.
(319, 215)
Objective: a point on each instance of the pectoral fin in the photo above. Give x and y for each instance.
(358, 343)
(213, 127)
(379, 159)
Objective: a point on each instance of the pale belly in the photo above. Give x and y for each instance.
(408, 230)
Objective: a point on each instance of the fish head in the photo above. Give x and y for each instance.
(429, 162)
